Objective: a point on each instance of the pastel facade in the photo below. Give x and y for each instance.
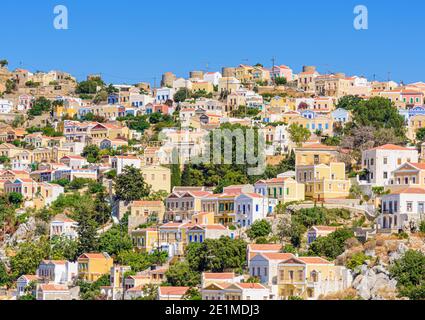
(91, 266)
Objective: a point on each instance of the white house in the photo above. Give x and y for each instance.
(23, 282)
(265, 266)
(164, 94)
(62, 226)
(212, 77)
(381, 161)
(402, 209)
(319, 231)
(120, 162)
(53, 292)
(251, 207)
(57, 271)
(6, 106)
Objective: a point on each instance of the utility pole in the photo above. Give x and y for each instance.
(273, 75)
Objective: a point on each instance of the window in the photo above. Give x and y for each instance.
(372, 161)
(409, 206)
(385, 160)
(385, 175)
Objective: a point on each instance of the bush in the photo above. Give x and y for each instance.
(356, 260)
(260, 228)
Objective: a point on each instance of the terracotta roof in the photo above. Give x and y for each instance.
(391, 147)
(277, 256)
(31, 277)
(265, 247)
(93, 255)
(54, 261)
(325, 228)
(314, 260)
(178, 291)
(53, 287)
(220, 276)
(410, 190)
(257, 286)
(420, 166)
(318, 146)
(146, 203)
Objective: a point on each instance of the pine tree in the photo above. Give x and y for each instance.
(176, 174)
(186, 176)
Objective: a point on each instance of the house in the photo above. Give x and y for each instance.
(57, 271)
(402, 210)
(173, 238)
(74, 162)
(113, 144)
(251, 207)
(164, 94)
(91, 266)
(199, 233)
(282, 71)
(181, 205)
(145, 240)
(319, 231)
(283, 189)
(172, 293)
(311, 277)
(341, 116)
(145, 211)
(314, 122)
(254, 249)
(24, 282)
(212, 77)
(53, 292)
(408, 175)
(236, 291)
(381, 161)
(27, 187)
(323, 182)
(264, 266)
(158, 177)
(120, 162)
(6, 106)
(211, 277)
(314, 154)
(62, 226)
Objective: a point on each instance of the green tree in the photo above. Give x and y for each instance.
(299, 134)
(280, 81)
(260, 228)
(28, 257)
(192, 294)
(130, 185)
(182, 95)
(5, 280)
(92, 153)
(63, 249)
(114, 241)
(15, 198)
(3, 63)
(176, 175)
(181, 275)
(332, 245)
(420, 134)
(349, 102)
(87, 234)
(409, 271)
(40, 105)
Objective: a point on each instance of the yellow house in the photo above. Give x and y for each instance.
(206, 218)
(145, 240)
(310, 277)
(315, 154)
(110, 131)
(415, 123)
(158, 177)
(91, 266)
(203, 85)
(9, 150)
(408, 175)
(324, 181)
(283, 189)
(145, 211)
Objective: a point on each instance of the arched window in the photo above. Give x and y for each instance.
(314, 276)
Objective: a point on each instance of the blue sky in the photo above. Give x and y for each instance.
(137, 40)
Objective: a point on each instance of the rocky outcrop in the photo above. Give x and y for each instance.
(25, 231)
(374, 283)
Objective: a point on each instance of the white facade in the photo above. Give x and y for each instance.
(212, 77)
(252, 207)
(6, 106)
(58, 272)
(64, 227)
(402, 210)
(382, 161)
(265, 266)
(164, 94)
(120, 162)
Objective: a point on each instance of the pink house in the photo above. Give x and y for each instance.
(412, 98)
(282, 71)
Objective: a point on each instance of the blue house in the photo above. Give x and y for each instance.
(341, 115)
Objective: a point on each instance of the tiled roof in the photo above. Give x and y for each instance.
(219, 276)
